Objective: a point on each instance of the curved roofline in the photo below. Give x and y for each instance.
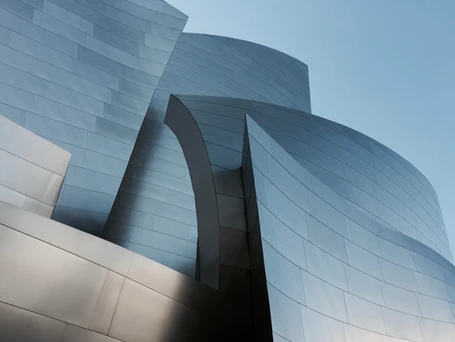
(248, 42)
(340, 124)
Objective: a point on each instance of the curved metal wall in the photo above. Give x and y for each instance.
(66, 285)
(353, 165)
(333, 269)
(32, 169)
(332, 274)
(81, 74)
(380, 183)
(154, 212)
(220, 66)
(344, 239)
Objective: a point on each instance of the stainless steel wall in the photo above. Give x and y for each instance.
(154, 213)
(381, 185)
(332, 268)
(81, 74)
(64, 285)
(341, 239)
(332, 272)
(32, 169)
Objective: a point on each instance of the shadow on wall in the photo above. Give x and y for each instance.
(180, 120)
(153, 213)
(91, 223)
(222, 249)
(65, 282)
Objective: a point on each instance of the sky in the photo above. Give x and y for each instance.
(383, 67)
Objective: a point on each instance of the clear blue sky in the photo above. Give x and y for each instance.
(383, 67)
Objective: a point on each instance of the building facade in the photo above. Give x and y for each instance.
(154, 212)
(203, 200)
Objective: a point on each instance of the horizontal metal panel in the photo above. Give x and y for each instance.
(135, 316)
(324, 297)
(28, 146)
(115, 131)
(9, 20)
(25, 177)
(18, 98)
(108, 146)
(68, 17)
(57, 111)
(11, 196)
(59, 27)
(19, 8)
(56, 130)
(78, 198)
(92, 180)
(73, 299)
(49, 38)
(22, 325)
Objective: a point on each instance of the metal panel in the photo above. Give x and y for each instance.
(283, 274)
(204, 64)
(318, 327)
(363, 260)
(324, 298)
(33, 169)
(337, 212)
(364, 314)
(75, 334)
(364, 286)
(325, 266)
(44, 287)
(59, 291)
(56, 67)
(22, 325)
(144, 315)
(402, 326)
(326, 239)
(102, 317)
(289, 325)
(357, 294)
(400, 300)
(283, 239)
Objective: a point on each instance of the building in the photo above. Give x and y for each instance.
(203, 200)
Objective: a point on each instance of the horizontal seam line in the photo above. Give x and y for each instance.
(377, 256)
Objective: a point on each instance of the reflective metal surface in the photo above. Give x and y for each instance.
(55, 291)
(81, 74)
(157, 192)
(362, 281)
(322, 254)
(303, 229)
(32, 169)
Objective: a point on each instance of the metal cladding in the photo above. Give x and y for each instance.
(32, 169)
(330, 261)
(81, 74)
(264, 222)
(154, 213)
(335, 272)
(60, 288)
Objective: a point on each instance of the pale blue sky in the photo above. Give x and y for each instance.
(383, 67)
